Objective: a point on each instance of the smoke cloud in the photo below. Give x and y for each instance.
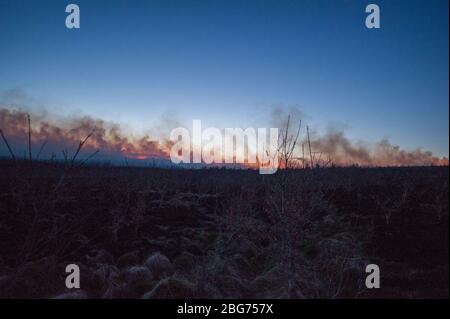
(341, 151)
(334, 147)
(113, 144)
(107, 137)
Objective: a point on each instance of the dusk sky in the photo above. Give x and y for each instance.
(229, 63)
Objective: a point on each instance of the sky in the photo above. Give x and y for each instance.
(229, 63)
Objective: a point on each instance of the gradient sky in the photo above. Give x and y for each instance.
(229, 62)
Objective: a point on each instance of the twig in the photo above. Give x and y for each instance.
(309, 145)
(303, 155)
(29, 139)
(40, 150)
(7, 145)
(68, 168)
(89, 157)
(80, 146)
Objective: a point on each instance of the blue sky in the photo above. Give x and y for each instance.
(229, 62)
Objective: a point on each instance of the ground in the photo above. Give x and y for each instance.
(222, 233)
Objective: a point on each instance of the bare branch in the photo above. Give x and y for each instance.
(309, 146)
(40, 150)
(89, 157)
(7, 145)
(29, 139)
(80, 146)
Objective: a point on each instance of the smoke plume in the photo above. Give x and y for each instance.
(341, 151)
(51, 138)
(107, 137)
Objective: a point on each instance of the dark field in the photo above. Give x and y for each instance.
(155, 233)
